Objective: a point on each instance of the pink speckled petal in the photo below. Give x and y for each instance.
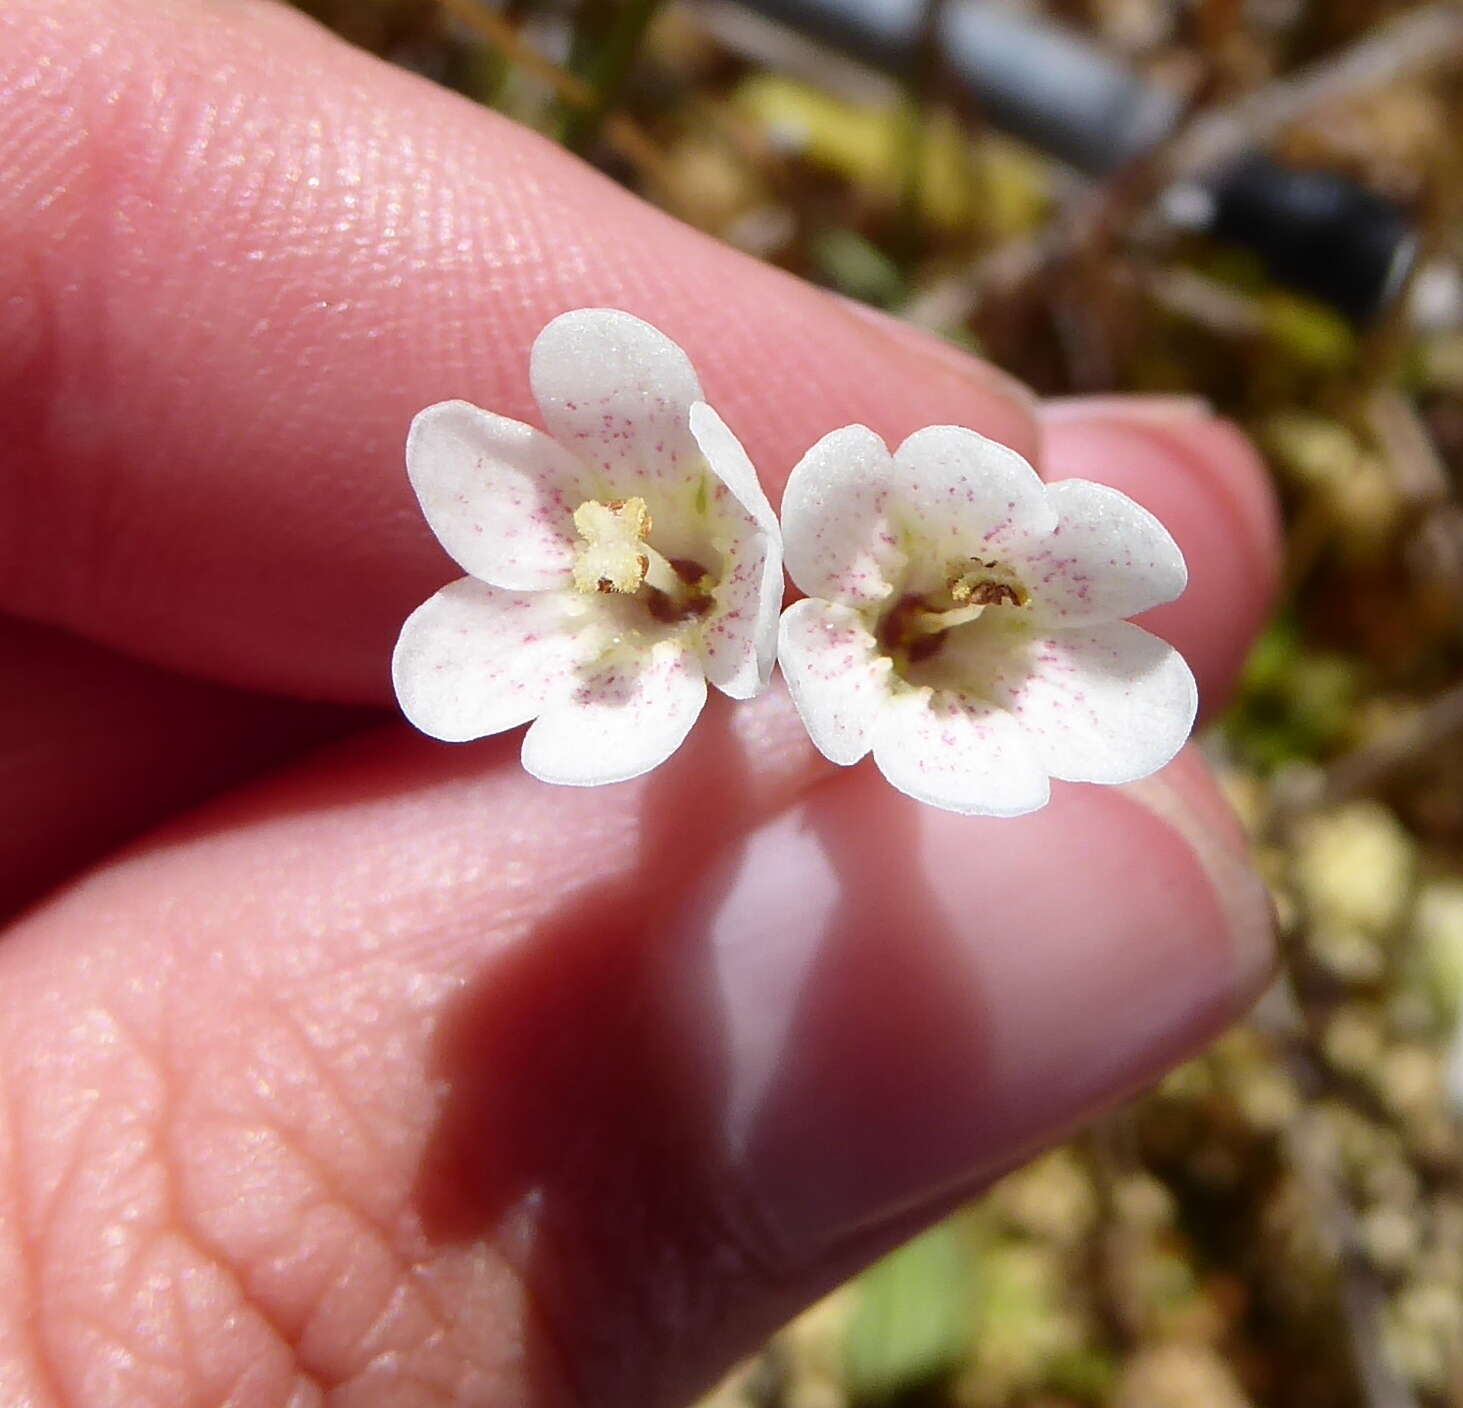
(838, 536)
(1107, 703)
(618, 394)
(837, 676)
(499, 495)
(970, 496)
(739, 634)
(475, 660)
(1108, 558)
(959, 753)
(624, 717)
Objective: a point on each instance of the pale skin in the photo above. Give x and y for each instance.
(390, 1075)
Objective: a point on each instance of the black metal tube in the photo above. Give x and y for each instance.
(1316, 231)
(1029, 77)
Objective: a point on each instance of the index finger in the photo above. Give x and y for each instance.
(243, 255)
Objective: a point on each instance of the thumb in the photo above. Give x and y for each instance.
(860, 1014)
(406, 1079)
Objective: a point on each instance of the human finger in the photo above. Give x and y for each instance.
(241, 255)
(1203, 480)
(425, 1081)
(95, 748)
(230, 499)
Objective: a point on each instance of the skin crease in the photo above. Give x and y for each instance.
(392, 1076)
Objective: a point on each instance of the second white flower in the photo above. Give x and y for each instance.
(964, 621)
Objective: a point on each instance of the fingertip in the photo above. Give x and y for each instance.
(1186, 798)
(1204, 481)
(913, 998)
(1008, 410)
(1154, 408)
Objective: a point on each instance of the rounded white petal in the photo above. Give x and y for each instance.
(1108, 703)
(728, 461)
(499, 495)
(1107, 558)
(617, 393)
(968, 496)
(838, 678)
(838, 537)
(959, 753)
(739, 634)
(623, 718)
(475, 659)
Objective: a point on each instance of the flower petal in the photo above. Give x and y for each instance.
(837, 535)
(1107, 703)
(739, 634)
(475, 659)
(960, 753)
(625, 717)
(968, 496)
(1107, 558)
(617, 393)
(837, 676)
(499, 495)
(728, 461)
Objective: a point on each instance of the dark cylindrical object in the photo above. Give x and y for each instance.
(1033, 79)
(1315, 231)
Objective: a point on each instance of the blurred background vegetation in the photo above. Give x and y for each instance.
(1281, 1221)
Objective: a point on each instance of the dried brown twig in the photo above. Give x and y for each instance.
(1425, 41)
(1373, 764)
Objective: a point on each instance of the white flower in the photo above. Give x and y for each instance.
(614, 565)
(964, 621)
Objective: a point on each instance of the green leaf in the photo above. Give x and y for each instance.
(856, 267)
(911, 1323)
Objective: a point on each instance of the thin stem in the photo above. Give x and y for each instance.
(922, 84)
(605, 71)
(625, 135)
(1361, 1295)
(1373, 764)
(1417, 43)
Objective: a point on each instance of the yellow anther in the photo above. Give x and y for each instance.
(977, 583)
(614, 556)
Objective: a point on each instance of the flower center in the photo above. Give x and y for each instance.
(916, 626)
(617, 558)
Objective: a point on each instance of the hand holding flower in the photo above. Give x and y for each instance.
(390, 1075)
